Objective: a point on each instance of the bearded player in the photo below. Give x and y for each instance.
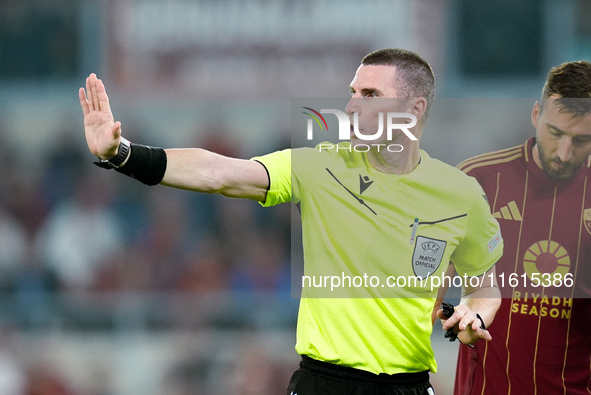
(540, 192)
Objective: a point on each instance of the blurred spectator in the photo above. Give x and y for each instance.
(166, 237)
(126, 270)
(12, 375)
(42, 379)
(81, 233)
(24, 200)
(255, 373)
(12, 379)
(264, 264)
(13, 247)
(254, 367)
(64, 167)
(205, 269)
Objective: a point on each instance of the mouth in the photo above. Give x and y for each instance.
(558, 164)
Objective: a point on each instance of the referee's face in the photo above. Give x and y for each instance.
(370, 89)
(563, 142)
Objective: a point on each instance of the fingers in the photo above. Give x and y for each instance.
(484, 334)
(454, 319)
(95, 98)
(86, 96)
(89, 92)
(466, 323)
(94, 92)
(102, 96)
(83, 102)
(471, 337)
(441, 315)
(466, 320)
(463, 317)
(93, 86)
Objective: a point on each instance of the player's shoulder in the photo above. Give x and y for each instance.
(279, 160)
(448, 178)
(442, 170)
(492, 161)
(303, 159)
(307, 160)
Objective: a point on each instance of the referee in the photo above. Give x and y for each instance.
(397, 214)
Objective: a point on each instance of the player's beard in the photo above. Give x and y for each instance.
(568, 170)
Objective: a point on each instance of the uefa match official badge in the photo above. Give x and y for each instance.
(587, 219)
(427, 256)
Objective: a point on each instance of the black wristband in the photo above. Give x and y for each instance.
(145, 164)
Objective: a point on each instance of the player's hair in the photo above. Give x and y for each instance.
(414, 76)
(571, 81)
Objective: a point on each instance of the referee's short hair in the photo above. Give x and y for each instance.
(414, 76)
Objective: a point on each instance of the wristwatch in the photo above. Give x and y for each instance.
(118, 160)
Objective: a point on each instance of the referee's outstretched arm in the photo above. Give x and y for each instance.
(189, 168)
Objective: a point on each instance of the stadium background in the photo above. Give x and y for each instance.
(108, 287)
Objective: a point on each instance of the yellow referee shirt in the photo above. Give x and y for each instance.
(376, 246)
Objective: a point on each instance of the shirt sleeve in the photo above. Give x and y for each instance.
(278, 165)
(482, 245)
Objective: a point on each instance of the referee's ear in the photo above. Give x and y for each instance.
(418, 107)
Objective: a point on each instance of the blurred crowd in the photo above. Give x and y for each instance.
(84, 250)
(110, 287)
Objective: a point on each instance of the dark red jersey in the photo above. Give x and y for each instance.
(542, 332)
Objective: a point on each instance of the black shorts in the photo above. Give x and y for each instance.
(321, 378)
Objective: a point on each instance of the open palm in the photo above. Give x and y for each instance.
(102, 132)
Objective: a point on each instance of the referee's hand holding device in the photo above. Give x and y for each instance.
(463, 324)
(467, 322)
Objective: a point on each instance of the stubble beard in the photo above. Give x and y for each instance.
(567, 172)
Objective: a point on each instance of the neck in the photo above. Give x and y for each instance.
(395, 162)
(536, 155)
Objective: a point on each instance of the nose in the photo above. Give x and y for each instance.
(565, 149)
(353, 105)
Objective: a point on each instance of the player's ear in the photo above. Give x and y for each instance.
(535, 114)
(418, 106)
